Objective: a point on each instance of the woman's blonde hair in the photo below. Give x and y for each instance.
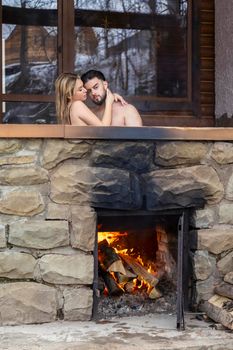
(64, 90)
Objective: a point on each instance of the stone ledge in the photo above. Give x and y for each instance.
(115, 133)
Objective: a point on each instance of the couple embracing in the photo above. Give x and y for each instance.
(110, 109)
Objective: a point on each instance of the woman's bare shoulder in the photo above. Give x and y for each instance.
(78, 103)
(80, 114)
(77, 109)
(77, 106)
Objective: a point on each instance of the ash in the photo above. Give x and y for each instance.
(137, 304)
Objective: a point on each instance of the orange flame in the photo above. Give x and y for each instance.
(114, 237)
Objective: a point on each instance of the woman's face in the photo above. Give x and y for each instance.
(80, 93)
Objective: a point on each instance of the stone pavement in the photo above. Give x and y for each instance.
(150, 332)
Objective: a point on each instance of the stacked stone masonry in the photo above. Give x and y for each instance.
(50, 191)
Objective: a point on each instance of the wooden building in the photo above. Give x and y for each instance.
(40, 46)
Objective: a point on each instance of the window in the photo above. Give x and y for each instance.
(145, 48)
(141, 46)
(29, 61)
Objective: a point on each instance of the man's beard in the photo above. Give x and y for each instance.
(101, 101)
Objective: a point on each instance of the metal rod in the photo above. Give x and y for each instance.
(180, 298)
(95, 280)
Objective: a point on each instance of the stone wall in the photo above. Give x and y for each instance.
(50, 190)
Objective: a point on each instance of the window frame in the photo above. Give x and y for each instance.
(183, 111)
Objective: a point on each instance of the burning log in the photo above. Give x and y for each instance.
(125, 278)
(220, 309)
(109, 258)
(224, 289)
(129, 287)
(118, 267)
(125, 269)
(155, 293)
(113, 288)
(139, 270)
(107, 254)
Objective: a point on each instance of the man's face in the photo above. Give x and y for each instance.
(96, 89)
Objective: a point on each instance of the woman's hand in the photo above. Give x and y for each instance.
(119, 98)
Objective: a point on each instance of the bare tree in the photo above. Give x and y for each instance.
(23, 58)
(106, 28)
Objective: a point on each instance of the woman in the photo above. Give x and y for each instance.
(70, 106)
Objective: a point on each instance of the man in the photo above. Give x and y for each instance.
(122, 114)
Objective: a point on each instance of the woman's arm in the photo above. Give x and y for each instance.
(107, 117)
(119, 98)
(80, 114)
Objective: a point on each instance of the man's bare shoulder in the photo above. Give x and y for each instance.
(130, 113)
(126, 108)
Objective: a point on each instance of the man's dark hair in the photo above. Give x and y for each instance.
(90, 74)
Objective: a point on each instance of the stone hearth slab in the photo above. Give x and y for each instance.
(151, 332)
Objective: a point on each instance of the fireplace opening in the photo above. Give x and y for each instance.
(139, 263)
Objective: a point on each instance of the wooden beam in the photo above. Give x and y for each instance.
(28, 16)
(115, 132)
(87, 18)
(31, 131)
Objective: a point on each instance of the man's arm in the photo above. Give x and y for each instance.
(132, 117)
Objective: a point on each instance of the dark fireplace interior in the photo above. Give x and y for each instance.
(139, 263)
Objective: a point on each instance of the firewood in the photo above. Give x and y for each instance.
(139, 270)
(129, 274)
(117, 266)
(216, 308)
(113, 288)
(228, 305)
(107, 254)
(219, 327)
(155, 293)
(124, 278)
(129, 287)
(224, 289)
(111, 260)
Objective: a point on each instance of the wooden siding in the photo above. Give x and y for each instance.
(207, 91)
(41, 46)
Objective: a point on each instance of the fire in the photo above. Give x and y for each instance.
(113, 238)
(130, 272)
(110, 236)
